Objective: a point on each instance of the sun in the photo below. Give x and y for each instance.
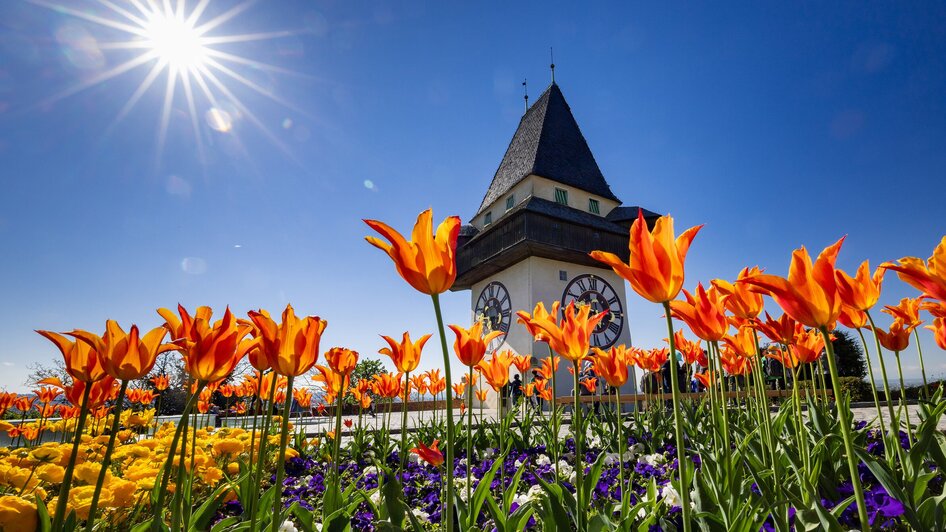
(179, 50)
(175, 40)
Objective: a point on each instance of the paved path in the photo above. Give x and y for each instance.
(318, 425)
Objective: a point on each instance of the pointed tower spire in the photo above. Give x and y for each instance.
(549, 144)
(552, 64)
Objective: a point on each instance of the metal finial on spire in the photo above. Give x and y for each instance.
(525, 89)
(552, 63)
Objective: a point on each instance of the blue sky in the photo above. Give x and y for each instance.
(775, 124)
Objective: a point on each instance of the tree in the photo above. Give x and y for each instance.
(850, 358)
(366, 369)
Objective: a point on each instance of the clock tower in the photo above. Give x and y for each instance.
(546, 208)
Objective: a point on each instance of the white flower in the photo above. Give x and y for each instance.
(459, 484)
(420, 514)
(593, 441)
(375, 497)
(610, 459)
(518, 463)
(670, 496)
(534, 492)
(521, 499)
(370, 470)
(542, 460)
(287, 526)
(637, 448)
(653, 459)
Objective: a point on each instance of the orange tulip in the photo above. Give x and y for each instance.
(427, 261)
(742, 343)
(388, 385)
(545, 368)
(572, 337)
(496, 369)
(897, 338)
(470, 345)
(862, 291)
(653, 359)
(342, 360)
(907, 310)
(528, 390)
(929, 278)
(706, 378)
(160, 382)
(523, 363)
(703, 312)
(738, 298)
(47, 394)
(691, 351)
(292, 347)
(335, 383)
(210, 351)
(785, 358)
(781, 331)
(82, 361)
(24, 403)
(936, 308)
(590, 384)
(852, 318)
(420, 384)
(939, 332)
(125, 356)
(807, 346)
(655, 269)
(405, 355)
(431, 454)
(543, 390)
(459, 388)
(732, 362)
(266, 384)
(539, 315)
(101, 390)
(611, 365)
(481, 394)
(303, 397)
(471, 379)
(810, 293)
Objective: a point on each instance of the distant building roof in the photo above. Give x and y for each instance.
(629, 214)
(548, 143)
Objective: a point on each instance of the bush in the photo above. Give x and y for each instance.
(858, 388)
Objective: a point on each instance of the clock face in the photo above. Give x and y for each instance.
(589, 289)
(495, 309)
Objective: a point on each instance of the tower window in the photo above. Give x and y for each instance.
(510, 201)
(562, 275)
(488, 218)
(561, 196)
(593, 206)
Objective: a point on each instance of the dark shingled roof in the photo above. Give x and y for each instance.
(629, 214)
(548, 143)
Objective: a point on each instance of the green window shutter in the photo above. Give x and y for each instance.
(488, 219)
(561, 196)
(593, 206)
(510, 201)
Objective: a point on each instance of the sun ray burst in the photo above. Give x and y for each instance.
(180, 42)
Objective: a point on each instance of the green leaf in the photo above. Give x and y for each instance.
(42, 514)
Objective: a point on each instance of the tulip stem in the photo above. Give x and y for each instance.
(67, 477)
(266, 405)
(407, 392)
(578, 430)
(873, 389)
(156, 522)
(678, 425)
(469, 440)
(903, 404)
(919, 352)
(843, 411)
(883, 373)
(281, 465)
(448, 504)
(107, 459)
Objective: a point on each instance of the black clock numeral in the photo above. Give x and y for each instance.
(613, 300)
(615, 327)
(593, 283)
